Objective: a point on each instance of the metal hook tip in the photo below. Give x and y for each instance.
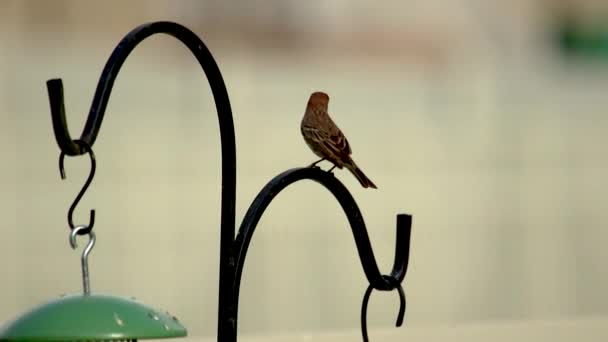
(73, 243)
(402, 304)
(61, 167)
(73, 233)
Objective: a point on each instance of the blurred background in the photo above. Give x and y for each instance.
(485, 120)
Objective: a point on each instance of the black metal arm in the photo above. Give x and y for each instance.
(222, 104)
(109, 74)
(232, 251)
(355, 219)
(353, 214)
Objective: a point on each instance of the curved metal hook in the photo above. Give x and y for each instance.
(355, 219)
(366, 296)
(88, 227)
(110, 72)
(84, 259)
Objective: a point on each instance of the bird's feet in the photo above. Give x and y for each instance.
(317, 162)
(315, 166)
(330, 171)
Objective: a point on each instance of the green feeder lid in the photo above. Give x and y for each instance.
(92, 317)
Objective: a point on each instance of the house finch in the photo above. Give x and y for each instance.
(326, 140)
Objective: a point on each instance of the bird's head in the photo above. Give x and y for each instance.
(318, 99)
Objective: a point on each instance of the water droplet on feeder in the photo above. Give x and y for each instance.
(118, 320)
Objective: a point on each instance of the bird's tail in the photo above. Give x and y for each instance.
(361, 177)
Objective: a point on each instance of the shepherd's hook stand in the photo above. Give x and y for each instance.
(233, 250)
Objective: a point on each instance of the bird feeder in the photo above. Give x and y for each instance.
(91, 317)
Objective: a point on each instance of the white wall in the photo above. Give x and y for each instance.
(495, 146)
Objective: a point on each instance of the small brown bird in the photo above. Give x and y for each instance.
(326, 140)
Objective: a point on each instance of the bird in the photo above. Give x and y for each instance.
(326, 140)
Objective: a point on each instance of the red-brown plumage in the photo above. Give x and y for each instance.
(326, 140)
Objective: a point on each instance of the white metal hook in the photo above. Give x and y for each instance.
(84, 260)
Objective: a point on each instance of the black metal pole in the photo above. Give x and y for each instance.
(68, 146)
(232, 251)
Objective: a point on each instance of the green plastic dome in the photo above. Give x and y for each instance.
(92, 317)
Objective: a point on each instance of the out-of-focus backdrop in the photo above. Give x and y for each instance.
(486, 120)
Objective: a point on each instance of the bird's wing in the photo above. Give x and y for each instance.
(336, 143)
(340, 142)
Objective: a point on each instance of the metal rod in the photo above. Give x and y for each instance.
(226, 330)
(353, 214)
(84, 258)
